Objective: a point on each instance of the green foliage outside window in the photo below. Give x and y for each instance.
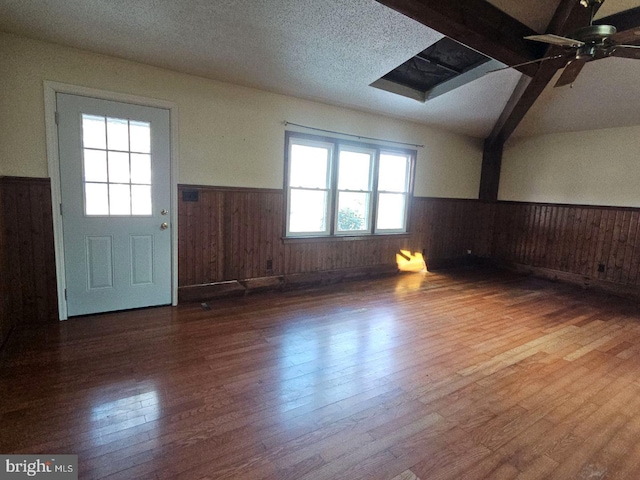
(349, 219)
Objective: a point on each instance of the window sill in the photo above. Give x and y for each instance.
(343, 238)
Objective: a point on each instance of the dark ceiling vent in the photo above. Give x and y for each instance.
(443, 66)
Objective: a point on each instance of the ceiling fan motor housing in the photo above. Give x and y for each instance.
(595, 34)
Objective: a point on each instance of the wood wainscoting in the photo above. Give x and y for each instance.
(235, 234)
(589, 245)
(229, 234)
(6, 319)
(27, 259)
(450, 228)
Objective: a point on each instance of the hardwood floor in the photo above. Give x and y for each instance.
(461, 375)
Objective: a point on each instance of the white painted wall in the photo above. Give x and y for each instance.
(228, 135)
(596, 167)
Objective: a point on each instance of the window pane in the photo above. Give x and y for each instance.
(141, 168)
(392, 174)
(140, 136)
(95, 165)
(309, 166)
(308, 211)
(391, 209)
(353, 211)
(354, 171)
(119, 199)
(96, 199)
(118, 167)
(93, 131)
(140, 199)
(117, 134)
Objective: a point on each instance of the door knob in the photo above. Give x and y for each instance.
(164, 226)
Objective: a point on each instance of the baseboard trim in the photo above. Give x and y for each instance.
(207, 291)
(435, 264)
(584, 281)
(210, 291)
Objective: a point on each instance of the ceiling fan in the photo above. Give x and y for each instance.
(587, 44)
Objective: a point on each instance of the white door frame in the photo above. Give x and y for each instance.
(53, 160)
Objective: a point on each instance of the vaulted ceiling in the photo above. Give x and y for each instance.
(331, 51)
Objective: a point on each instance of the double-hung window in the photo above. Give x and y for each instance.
(337, 188)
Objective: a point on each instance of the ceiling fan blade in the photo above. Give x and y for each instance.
(571, 71)
(626, 51)
(553, 57)
(555, 40)
(631, 36)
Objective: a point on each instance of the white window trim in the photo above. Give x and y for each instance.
(372, 178)
(407, 193)
(293, 137)
(327, 213)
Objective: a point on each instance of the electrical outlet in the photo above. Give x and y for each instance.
(469, 252)
(601, 267)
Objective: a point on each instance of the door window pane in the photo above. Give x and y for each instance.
(391, 211)
(140, 136)
(95, 165)
(141, 199)
(116, 181)
(118, 167)
(119, 199)
(353, 212)
(118, 134)
(354, 171)
(393, 171)
(93, 131)
(141, 168)
(96, 199)
(308, 212)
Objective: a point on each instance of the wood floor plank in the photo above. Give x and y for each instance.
(466, 374)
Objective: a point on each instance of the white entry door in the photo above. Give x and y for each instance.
(115, 187)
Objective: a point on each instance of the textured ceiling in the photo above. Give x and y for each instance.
(605, 95)
(329, 50)
(535, 15)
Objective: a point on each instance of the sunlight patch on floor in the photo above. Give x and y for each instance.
(406, 475)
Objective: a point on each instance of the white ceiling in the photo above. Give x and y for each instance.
(328, 50)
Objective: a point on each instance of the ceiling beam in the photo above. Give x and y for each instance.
(476, 24)
(626, 20)
(627, 23)
(569, 16)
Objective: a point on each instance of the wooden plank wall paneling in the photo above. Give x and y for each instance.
(6, 320)
(252, 231)
(331, 255)
(230, 234)
(200, 246)
(28, 269)
(570, 238)
(450, 227)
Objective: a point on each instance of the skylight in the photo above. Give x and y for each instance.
(443, 66)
